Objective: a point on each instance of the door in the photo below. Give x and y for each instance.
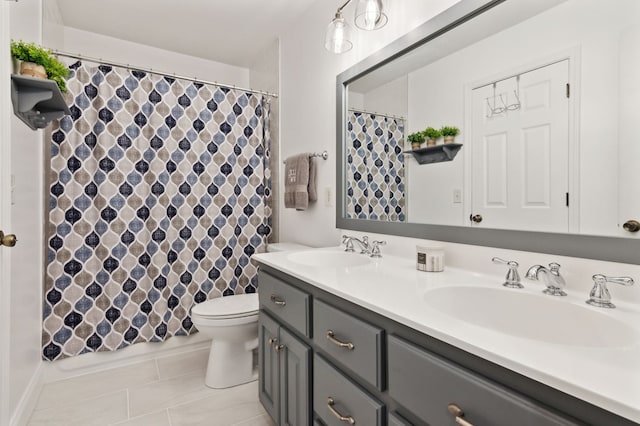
(5, 201)
(520, 151)
(295, 360)
(268, 379)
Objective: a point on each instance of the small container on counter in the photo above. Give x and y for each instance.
(429, 259)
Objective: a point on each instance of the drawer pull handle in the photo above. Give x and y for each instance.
(277, 301)
(346, 419)
(272, 341)
(278, 348)
(459, 414)
(332, 339)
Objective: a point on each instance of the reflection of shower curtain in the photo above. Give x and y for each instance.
(375, 167)
(158, 199)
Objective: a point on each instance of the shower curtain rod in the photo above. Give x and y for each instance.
(152, 71)
(397, 117)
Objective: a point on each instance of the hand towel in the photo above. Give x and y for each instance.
(299, 174)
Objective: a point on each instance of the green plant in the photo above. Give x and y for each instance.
(417, 137)
(431, 133)
(30, 52)
(449, 131)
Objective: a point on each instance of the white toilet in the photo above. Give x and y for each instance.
(232, 323)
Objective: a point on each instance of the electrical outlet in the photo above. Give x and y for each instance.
(328, 197)
(457, 196)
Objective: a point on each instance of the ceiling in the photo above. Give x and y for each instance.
(228, 31)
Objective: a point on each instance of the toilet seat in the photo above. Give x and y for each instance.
(227, 308)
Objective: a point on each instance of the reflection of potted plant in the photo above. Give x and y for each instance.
(416, 140)
(449, 133)
(36, 61)
(431, 134)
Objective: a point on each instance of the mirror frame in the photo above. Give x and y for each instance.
(614, 249)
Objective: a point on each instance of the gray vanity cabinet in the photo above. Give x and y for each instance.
(433, 389)
(390, 375)
(284, 363)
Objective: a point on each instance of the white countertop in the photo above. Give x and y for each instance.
(608, 377)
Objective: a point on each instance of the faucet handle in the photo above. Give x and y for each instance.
(348, 242)
(375, 249)
(513, 277)
(554, 268)
(599, 295)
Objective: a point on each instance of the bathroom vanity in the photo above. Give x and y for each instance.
(345, 339)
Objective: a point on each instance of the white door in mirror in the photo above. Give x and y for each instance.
(520, 150)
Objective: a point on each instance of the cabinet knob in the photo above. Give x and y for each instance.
(8, 240)
(346, 419)
(459, 414)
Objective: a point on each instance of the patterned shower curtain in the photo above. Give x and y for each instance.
(375, 167)
(159, 196)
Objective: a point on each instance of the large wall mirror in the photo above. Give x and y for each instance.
(544, 95)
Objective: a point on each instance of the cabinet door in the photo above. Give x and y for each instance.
(268, 379)
(295, 359)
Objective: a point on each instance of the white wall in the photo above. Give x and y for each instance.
(436, 94)
(122, 51)
(26, 257)
(308, 87)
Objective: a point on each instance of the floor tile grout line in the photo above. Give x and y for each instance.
(168, 416)
(128, 404)
(155, 360)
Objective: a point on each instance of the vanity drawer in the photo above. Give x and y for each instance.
(426, 384)
(333, 330)
(289, 304)
(348, 399)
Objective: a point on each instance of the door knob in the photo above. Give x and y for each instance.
(8, 240)
(631, 226)
(475, 218)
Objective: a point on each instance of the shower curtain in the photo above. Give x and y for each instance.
(159, 196)
(375, 167)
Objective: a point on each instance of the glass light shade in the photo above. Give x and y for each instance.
(338, 37)
(369, 15)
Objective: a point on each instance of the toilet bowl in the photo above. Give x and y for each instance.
(232, 324)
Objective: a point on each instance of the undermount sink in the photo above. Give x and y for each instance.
(530, 316)
(328, 259)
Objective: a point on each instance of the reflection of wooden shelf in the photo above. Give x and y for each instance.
(436, 154)
(37, 101)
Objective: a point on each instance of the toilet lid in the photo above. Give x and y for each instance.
(240, 305)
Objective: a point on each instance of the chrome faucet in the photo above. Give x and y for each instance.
(364, 244)
(551, 278)
(599, 295)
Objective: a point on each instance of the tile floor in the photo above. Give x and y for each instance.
(167, 391)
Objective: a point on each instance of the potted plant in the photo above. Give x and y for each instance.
(449, 133)
(416, 140)
(37, 61)
(432, 135)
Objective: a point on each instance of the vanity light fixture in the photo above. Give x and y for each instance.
(369, 16)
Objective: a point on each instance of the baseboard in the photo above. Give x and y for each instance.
(29, 398)
(99, 361)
